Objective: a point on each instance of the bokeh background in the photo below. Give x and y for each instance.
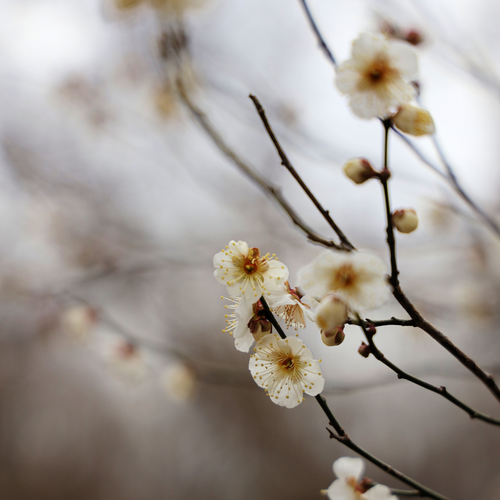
(115, 379)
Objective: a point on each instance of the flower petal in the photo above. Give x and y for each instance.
(340, 490)
(347, 467)
(379, 492)
(404, 58)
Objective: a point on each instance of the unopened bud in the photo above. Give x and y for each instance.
(333, 337)
(405, 220)
(414, 37)
(331, 313)
(413, 120)
(364, 350)
(359, 170)
(259, 325)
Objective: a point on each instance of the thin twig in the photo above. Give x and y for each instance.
(346, 244)
(384, 322)
(445, 342)
(272, 191)
(406, 376)
(343, 437)
(451, 179)
(406, 493)
(321, 41)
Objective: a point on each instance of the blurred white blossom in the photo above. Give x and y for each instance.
(357, 278)
(349, 486)
(377, 77)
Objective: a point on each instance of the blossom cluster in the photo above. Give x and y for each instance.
(337, 283)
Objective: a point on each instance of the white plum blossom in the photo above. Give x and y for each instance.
(349, 486)
(378, 76)
(285, 368)
(246, 273)
(246, 324)
(356, 278)
(287, 304)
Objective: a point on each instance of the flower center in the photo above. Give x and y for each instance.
(377, 74)
(345, 277)
(287, 363)
(252, 261)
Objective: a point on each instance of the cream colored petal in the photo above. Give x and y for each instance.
(347, 467)
(379, 492)
(404, 58)
(315, 382)
(244, 342)
(348, 77)
(340, 490)
(367, 46)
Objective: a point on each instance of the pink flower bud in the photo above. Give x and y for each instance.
(333, 337)
(413, 120)
(331, 313)
(405, 220)
(364, 350)
(359, 170)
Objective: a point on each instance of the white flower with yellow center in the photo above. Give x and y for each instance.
(246, 273)
(356, 278)
(287, 304)
(377, 77)
(349, 486)
(285, 369)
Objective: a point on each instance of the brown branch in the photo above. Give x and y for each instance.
(473, 414)
(321, 41)
(342, 436)
(445, 342)
(419, 320)
(249, 172)
(384, 322)
(346, 244)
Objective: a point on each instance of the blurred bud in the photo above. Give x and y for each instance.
(413, 120)
(364, 350)
(127, 4)
(77, 321)
(180, 382)
(359, 170)
(414, 37)
(405, 220)
(333, 337)
(331, 313)
(259, 325)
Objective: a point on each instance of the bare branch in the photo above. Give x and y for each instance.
(346, 244)
(249, 172)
